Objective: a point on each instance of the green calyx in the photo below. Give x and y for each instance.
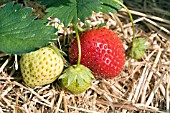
(58, 52)
(77, 73)
(138, 48)
(76, 76)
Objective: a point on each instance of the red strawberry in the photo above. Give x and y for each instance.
(101, 51)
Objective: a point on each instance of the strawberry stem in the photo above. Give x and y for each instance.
(79, 45)
(131, 18)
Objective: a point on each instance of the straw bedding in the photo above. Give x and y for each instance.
(143, 85)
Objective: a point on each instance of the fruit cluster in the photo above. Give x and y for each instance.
(102, 55)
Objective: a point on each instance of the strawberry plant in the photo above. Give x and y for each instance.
(68, 12)
(22, 33)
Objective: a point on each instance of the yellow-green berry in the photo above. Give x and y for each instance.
(42, 66)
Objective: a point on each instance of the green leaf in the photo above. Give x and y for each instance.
(101, 25)
(63, 76)
(71, 78)
(70, 10)
(138, 48)
(87, 25)
(86, 78)
(110, 6)
(20, 32)
(80, 81)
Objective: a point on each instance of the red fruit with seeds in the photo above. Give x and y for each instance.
(101, 51)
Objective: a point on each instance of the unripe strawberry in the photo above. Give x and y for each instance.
(76, 78)
(42, 66)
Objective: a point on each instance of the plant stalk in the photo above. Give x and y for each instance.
(131, 18)
(79, 45)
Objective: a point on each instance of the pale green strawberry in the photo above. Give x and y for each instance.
(42, 66)
(76, 78)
